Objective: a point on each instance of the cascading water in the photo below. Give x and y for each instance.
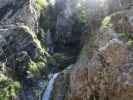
(48, 91)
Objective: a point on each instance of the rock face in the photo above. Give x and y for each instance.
(20, 50)
(18, 46)
(99, 49)
(98, 77)
(106, 75)
(64, 22)
(18, 12)
(103, 70)
(60, 24)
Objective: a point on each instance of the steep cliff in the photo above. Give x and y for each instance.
(84, 48)
(103, 70)
(22, 55)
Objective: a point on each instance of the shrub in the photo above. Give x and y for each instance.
(35, 40)
(9, 89)
(40, 4)
(35, 68)
(106, 21)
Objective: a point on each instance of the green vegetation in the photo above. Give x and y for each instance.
(83, 15)
(40, 4)
(106, 22)
(10, 77)
(35, 68)
(48, 20)
(35, 40)
(130, 42)
(130, 39)
(8, 88)
(124, 34)
(58, 59)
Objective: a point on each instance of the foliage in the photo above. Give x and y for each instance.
(83, 13)
(126, 36)
(35, 40)
(83, 16)
(48, 19)
(130, 42)
(106, 21)
(35, 68)
(8, 88)
(57, 60)
(40, 4)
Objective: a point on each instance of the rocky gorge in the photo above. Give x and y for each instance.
(66, 50)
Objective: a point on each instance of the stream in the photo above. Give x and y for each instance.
(46, 95)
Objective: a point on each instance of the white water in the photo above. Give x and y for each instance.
(48, 91)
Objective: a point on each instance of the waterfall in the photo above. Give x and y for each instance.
(48, 91)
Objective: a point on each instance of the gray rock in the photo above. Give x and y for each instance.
(19, 12)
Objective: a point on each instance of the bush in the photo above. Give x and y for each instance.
(9, 89)
(35, 68)
(106, 22)
(40, 4)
